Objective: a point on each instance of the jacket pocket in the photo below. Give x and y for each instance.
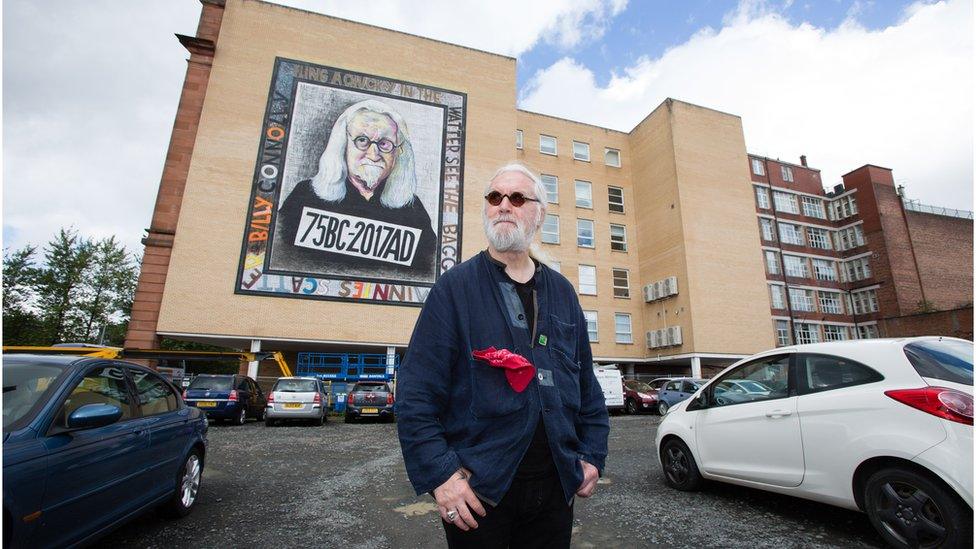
(491, 395)
(567, 377)
(563, 338)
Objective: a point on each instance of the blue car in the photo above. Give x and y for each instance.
(89, 443)
(676, 390)
(229, 397)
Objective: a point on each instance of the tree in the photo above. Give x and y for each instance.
(60, 281)
(21, 325)
(108, 289)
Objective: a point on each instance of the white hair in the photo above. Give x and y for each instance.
(539, 192)
(329, 183)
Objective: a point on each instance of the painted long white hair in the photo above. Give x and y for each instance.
(329, 183)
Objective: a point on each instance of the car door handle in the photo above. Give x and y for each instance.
(778, 413)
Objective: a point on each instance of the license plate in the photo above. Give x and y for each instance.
(370, 411)
(206, 404)
(293, 405)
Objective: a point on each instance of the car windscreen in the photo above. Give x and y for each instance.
(24, 385)
(295, 386)
(212, 383)
(361, 388)
(946, 359)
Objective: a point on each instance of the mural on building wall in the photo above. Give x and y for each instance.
(356, 192)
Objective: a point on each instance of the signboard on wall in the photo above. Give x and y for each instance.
(357, 188)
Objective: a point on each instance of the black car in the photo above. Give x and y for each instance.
(369, 399)
(222, 397)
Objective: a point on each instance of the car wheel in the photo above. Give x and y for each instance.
(261, 415)
(680, 470)
(631, 407)
(909, 510)
(321, 420)
(187, 485)
(348, 418)
(662, 408)
(241, 417)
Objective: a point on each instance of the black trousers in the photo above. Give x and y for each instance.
(533, 513)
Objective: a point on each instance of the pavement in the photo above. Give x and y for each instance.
(344, 485)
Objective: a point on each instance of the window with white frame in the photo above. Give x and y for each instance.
(766, 226)
(864, 301)
(584, 194)
(787, 173)
(551, 183)
(621, 283)
(869, 331)
(776, 296)
(611, 157)
(622, 328)
(796, 266)
(806, 333)
(785, 202)
(581, 151)
(618, 238)
(791, 234)
(802, 300)
(584, 233)
(591, 327)
(848, 238)
(857, 269)
(782, 333)
(824, 269)
(757, 167)
(547, 144)
(518, 139)
(819, 238)
(844, 207)
(830, 302)
(615, 197)
(832, 332)
(550, 229)
(772, 262)
(762, 197)
(813, 207)
(587, 279)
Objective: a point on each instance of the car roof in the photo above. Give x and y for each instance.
(299, 377)
(54, 360)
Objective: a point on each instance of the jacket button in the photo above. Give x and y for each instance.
(547, 410)
(521, 316)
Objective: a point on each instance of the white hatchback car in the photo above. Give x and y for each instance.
(883, 426)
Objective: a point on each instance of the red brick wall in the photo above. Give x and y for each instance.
(944, 249)
(955, 323)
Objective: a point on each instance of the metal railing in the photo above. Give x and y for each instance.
(916, 206)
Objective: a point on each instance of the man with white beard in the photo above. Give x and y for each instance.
(366, 179)
(499, 414)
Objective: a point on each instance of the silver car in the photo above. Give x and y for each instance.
(297, 398)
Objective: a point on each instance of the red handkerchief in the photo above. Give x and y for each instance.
(518, 370)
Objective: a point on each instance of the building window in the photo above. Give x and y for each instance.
(615, 196)
(791, 234)
(787, 173)
(584, 194)
(869, 331)
(834, 333)
(802, 300)
(813, 207)
(762, 198)
(865, 301)
(857, 269)
(621, 283)
(757, 167)
(518, 139)
(556, 266)
(621, 324)
(796, 266)
(550, 229)
(782, 333)
(785, 202)
(772, 263)
(819, 238)
(584, 233)
(806, 333)
(824, 270)
(618, 238)
(581, 151)
(611, 157)
(587, 279)
(591, 326)
(830, 302)
(844, 207)
(547, 145)
(766, 225)
(848, 238)
(551, 183)
(776, 296)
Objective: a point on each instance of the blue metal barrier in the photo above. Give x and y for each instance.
(346, 367)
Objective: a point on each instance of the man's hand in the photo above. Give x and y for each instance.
(456, 500)
(590, 476)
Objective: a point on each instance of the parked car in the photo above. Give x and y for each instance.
(676, 390)
(89, 443)
(659, 382)
(611, 383)
(639, 397)
(369, 399)
(297, 398)
(226, 397)
(881, 426)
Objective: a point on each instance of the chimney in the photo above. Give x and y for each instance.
(803, 160)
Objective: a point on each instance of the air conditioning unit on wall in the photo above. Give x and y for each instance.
(674, 335)
(672, 285)
(648, 290)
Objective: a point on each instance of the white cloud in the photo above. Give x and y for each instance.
(901, 97)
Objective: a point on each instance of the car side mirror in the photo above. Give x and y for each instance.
(94, 415)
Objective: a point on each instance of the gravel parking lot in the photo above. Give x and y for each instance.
(345, 485)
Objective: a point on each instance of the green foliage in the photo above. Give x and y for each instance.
(21, 326)
(202, 366)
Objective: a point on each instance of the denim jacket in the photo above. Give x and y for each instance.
(454, 410)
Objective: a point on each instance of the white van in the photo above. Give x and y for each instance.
(613, 386)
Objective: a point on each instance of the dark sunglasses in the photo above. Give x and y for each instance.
(516, 199)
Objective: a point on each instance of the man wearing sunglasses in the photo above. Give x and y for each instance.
(359, 214)
(503, 454)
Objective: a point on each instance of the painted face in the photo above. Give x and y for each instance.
(371, 150)
(510, 229)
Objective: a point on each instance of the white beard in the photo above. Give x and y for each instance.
(515, 240)
(369, 174)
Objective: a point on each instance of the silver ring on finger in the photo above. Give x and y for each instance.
(451, 515)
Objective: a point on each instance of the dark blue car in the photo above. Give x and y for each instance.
(230, 397)
(89, 443)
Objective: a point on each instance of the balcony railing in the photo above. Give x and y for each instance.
(916, 206)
